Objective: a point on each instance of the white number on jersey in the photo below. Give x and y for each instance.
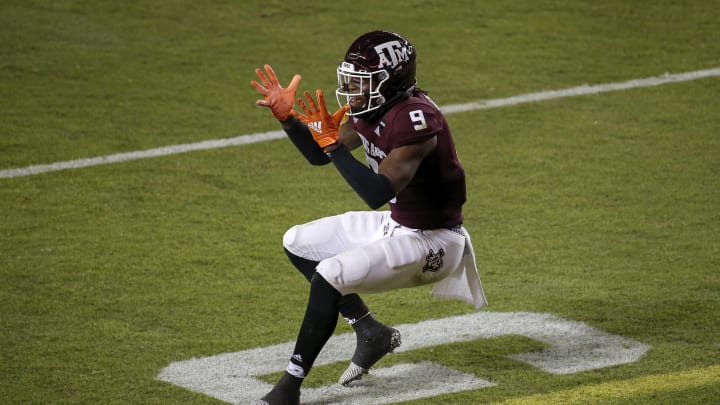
(418, 117)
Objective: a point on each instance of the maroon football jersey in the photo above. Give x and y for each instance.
(435, 196)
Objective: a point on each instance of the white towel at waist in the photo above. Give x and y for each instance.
(464, 282)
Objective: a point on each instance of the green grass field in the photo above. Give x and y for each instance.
(602, 209)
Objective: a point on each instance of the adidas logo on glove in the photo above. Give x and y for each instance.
(315, 126)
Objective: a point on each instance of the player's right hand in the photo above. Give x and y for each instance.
(280, 100)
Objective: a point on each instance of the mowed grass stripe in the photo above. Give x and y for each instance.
(626, 389)
(449, 109)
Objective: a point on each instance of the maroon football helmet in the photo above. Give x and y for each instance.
(377, 66)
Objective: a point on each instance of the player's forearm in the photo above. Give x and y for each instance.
(375, 189)
(304, 142)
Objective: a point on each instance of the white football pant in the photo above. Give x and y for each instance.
(368, 252)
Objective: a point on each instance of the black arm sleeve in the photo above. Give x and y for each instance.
(301, 137)
(375, 189)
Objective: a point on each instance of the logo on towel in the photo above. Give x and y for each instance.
(433, 261)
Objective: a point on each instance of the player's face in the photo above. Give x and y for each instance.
(355, 86)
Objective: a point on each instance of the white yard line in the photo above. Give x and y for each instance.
(448, 109)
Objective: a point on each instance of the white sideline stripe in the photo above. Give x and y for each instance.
(449, 109)
(582, 90)
(149, 153)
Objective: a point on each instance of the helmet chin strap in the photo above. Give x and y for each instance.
(357, 111)
(375, 115)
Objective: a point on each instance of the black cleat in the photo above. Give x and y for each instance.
(285, 392)
(279, 398)
(372, 345)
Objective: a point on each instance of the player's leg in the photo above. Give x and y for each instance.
(374, 339)
(307, 244)
(406, 259)
(326, 237)
(318, 325)
(352, 307)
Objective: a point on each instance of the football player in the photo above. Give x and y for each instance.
(411, 165)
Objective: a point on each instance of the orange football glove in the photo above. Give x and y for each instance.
(280, 100)
(322, 125)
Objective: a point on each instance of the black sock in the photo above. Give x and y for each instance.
(288, 384)
(352, 308)
(366, 323)
(318, 325)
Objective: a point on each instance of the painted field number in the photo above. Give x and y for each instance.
(573, 347)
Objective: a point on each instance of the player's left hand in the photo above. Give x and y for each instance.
(322, 125)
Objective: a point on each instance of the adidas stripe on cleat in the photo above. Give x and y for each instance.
(353, 373)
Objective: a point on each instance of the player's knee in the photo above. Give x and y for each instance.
(345, 272)
(290, 238)
(318, 281)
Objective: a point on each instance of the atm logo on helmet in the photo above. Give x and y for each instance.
(392, 53)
